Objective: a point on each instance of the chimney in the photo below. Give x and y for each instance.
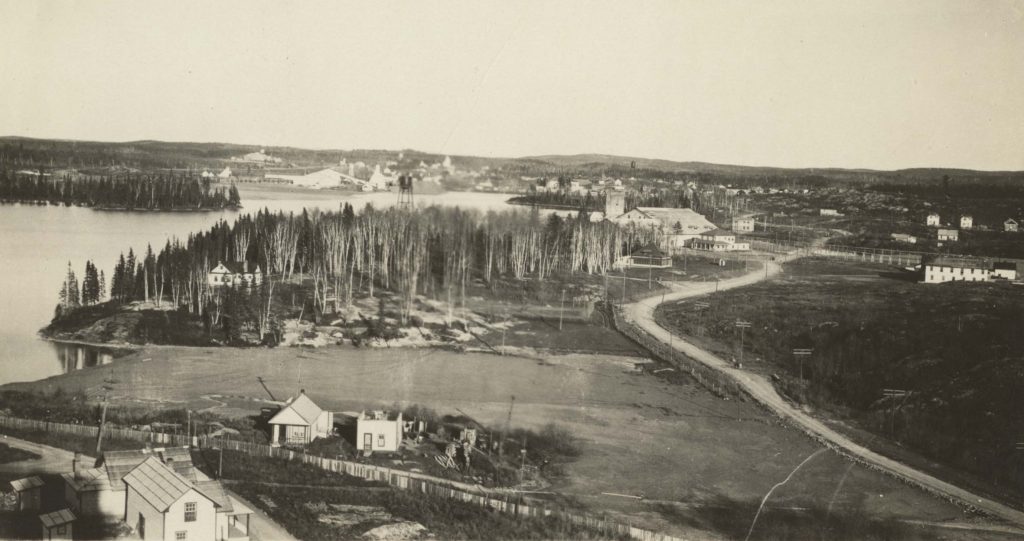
(302, 391)
(245, 266)
(78, 466)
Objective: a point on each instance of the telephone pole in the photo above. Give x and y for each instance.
(800, 353)
(742, 326)
(561, 310)
(893, 394)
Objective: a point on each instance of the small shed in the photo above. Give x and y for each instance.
(29, 491)
(57, 524)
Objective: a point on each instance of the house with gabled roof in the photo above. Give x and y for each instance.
(677, 225)
(1010, 225)
(57, 525)
(235, 273)
(300, 421)
(161, 504)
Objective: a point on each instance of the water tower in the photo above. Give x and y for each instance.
(405, 191)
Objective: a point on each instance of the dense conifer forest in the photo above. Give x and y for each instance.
(127, 192)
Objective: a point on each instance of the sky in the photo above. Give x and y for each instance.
(885, 85)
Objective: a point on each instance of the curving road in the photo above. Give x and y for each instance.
(641, 314)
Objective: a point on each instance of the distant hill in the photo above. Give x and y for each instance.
(145, 154)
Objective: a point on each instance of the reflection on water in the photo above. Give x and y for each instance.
(76, 357)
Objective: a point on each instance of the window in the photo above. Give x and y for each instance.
(62, 530)
(180, 536)
(380, 440)
(190, 511)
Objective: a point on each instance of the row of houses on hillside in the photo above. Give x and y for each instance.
(967, 222)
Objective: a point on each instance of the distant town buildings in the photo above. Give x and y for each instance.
(903, 237)
(718, 240)
(1010, 225)
(933, 220)
(829, 212)
(258, 157)
(743, 224)
(948, 235)
(966, 221)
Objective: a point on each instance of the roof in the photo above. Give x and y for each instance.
(299, 408)
(119, 463)
(649, 251)
(958, 262)
(91, 480)
(160, 485)
(57, 518)
(28, 483)
(1005, 265)
(688, 219)
(718, 233)
(380, 415)
(949, 231)
(1010, 221)
(215, 491)
(237, 267)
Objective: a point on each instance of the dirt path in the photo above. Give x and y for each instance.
(641, 313)
(51, 459)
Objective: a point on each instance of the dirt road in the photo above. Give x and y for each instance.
(641, 313)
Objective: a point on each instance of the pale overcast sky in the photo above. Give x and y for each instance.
(885, 84)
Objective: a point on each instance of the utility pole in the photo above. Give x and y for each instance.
(700, 306)
(742, 326)
(623, 283)
(561, 310)
(508, 424)
(800, 353)
(107, 386)
(893, 394)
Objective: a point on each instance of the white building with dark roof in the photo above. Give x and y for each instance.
(677, 225)
(234, 274)
(300, 422)
(161, 504)
(956, 269)
(719, 240)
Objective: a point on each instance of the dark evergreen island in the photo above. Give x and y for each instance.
(141, 191)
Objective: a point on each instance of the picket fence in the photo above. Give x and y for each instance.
(507, 501)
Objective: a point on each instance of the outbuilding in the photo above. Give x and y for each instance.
(379, 431)
(29, 493)
(58, 525)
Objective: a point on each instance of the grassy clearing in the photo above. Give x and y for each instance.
(71, 442)
(957, 347)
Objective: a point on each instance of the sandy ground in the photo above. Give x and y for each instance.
(642, 435)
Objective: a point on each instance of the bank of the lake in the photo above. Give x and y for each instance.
(40, 240)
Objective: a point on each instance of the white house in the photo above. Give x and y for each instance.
(718, 240)
(226, 173)
(956, 269)
(1010, 225)
(951, 235)
(966, 221)
(932, 220)
(28, 492)
(379, 181)
(379, 431)
(743, 224)
(58, 525)
(300, 422)
(233, 274)
(160, 504)
(1006, 270)
(829, 212)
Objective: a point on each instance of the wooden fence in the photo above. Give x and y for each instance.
(503, 500)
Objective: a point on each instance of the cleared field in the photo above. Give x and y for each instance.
(669, 441)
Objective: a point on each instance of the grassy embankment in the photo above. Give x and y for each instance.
(956, 347)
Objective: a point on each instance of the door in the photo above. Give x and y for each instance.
(367, 442)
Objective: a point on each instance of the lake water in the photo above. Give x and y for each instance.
(37, 242)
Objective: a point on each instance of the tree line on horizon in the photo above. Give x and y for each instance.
(128, 192)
